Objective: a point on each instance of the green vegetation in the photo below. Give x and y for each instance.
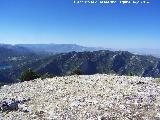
(46, 75)
(76, 63)
(1, 84)
(29, 75)
(158, 80)
(77, 72)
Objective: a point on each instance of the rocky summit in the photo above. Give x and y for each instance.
(84, 97)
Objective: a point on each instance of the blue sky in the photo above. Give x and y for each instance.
(62, 21)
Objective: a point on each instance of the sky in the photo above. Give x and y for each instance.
(96, 25)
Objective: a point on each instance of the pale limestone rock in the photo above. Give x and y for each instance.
(91, 97)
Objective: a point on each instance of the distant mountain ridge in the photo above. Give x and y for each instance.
(104, 61)
(57, 48)
(65, 48)
(146, 51)
(12, 50)
(16, 58)
(13, 60)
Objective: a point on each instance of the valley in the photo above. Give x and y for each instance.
(16, 59)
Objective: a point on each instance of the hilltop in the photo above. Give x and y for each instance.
(85, 97)
(104, 62)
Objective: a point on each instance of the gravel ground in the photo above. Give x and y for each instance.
(85, 97)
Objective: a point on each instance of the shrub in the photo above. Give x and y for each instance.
(77, 72)
(46, 75)
(158, 80)
(1, 84)
(29, 75)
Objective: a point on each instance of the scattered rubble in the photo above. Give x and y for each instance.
(12, 104)
(1, 117)
(84, 97)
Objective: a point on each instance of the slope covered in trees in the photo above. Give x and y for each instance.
(15, 60)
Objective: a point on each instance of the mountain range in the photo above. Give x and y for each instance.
(63, 59)
(65, 48)
(57, 48)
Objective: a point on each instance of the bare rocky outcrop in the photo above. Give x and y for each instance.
(84, 97)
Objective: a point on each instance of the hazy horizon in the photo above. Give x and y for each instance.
(81, 45)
